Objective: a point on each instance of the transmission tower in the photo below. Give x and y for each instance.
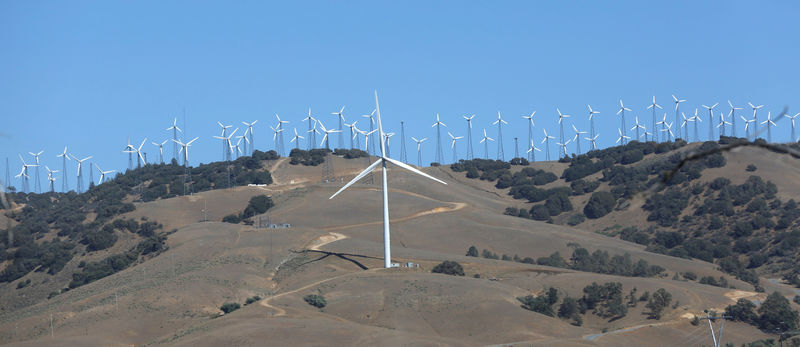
(403, 155)
(328, 175)
(91, 175)
(717, 338)
(470, 152)
(439, 153)
(369, 179)
(516, 148)
(7, 182)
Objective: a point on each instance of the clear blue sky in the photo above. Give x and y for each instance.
(90, 74)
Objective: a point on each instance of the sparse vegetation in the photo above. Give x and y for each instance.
(229, 307)
(449, 267)
(542, 304)
(315, 300)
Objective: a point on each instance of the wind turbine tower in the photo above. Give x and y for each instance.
(470, 152)
(51, 178)
(500, 153)
(711, 121)
(276, 138)
(312, 130)
(353, 132)
(226, 150)
(561, 125)
(370, 145)
(281, 152)
(638, 126)
(296, 139)
(453, 145)
(419, 149)
(621, 112)
(403, 153)
(387, 136)
(175, 129)
(130, 150)
(516, 147)
(250, 129)
(591, 121)
(187, 174)
(64, 157)
(340, 116)
(755, 118)
(438, 124)
(530, 131)
(160, 150)
(37, 185)
(677, 104)
(654, 105)
(685, 126)
(531, 151)
(697, 120)
(577, 139)
(79, 185)
(387, 250)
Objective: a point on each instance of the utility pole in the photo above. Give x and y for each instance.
(52, 332)
(516, 148)
(718, 338)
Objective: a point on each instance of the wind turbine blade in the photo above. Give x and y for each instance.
(412, 169)
(360, 176)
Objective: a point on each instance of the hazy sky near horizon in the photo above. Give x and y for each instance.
(89, 74)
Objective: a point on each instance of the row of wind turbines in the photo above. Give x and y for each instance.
(233, 146)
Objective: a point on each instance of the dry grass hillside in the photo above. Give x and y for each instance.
(335, 248)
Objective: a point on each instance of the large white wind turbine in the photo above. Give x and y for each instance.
(37, 185)
(276, 137)
(138, 150)
(387, 250)
(722, 123)
(327, 132)
(564, 146)
(561, 125)
(577, 139)
(622, 136)
(531, 151)
(530, 130)
(185, 150)
(369, 147)
(663, 123)
(685, 126)
(79, 187)
(160, 150)
(500, 153)
(51, 178)
(353, 132)
(677, 104)
(438, 124)
(638, 126)
(621, 112)
(591, 120)
(593, 140)
(312, 130)
(296, 139)
(226, 148)
(250, 128)
(696, 119)
(747, 126)
(24, 174)
(654, 105)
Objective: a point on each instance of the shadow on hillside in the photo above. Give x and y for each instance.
(343, 256)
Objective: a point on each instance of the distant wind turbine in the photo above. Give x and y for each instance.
(296, 139)
(792, 118)
(755, 118)
(732, 116)
(439, 154)
(577, 139)
(103, 174)
(622, 136)
(621, 112)
(654, 105)
(546, 141)
(591, 121)
(530, 130)
(485, 141)
(500, 153)
(711, 121)
(340, 116)
(419, 149)
(250, 128)
(453, 145)
(531, 151)
(64, 157)
(470, 152)
(677, 104)
(769, 124)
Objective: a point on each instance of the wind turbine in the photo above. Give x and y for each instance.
(51, 178)
(677, 103)
(591, 120)
(64, 157)
(355, 137)
(593, 140)
(250, 128)
(386, 137)
(546, 141)
(696, 119)
(564, 146)
(370, 146)
(663, 124)
(485, 141)
(755, 118)
(327, 132)
(531, 150)
(500, 153)
(530, 129)
(130, 150)
(276, 138)
(225, 146)
(470, 152)
(37, 185)
(453, 145)
(561, 125)
(244, 138)
(382, 161)
(80, 171)
(353, 132)
(747, 125)
(25, 166)
(669, 132)
(793, 139)
(280, 134)
(139, 158)
(185, 149)
(577, 139)
(419, 149)
(685, 127)
(722, 123)
(732, 116)
(103, 174)
(367, 135)
(160, 150)
(438, 124)
(622, 136)
(312, 130)
(769, 123)
(637, 127)
(654, 105)
(296, 139)
(340, 116)
(175, 129)
(622, 110)
(711, 121)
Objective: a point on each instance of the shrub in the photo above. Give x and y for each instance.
(776, 313)
(252, 299)
(576, 219)
(449, 267)
(599, 205)
(229, 307)
(315, 300)
(658, 302)
(232, 218)
(472, 251)
(751, 168)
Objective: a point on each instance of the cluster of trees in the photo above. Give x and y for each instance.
(597, 160)
(603, 300)
(598, 262)
(315, 300)
(257, 205)
(313, 157)
(774, 314)
(93, 271)
(350, 153)
(449, 267)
